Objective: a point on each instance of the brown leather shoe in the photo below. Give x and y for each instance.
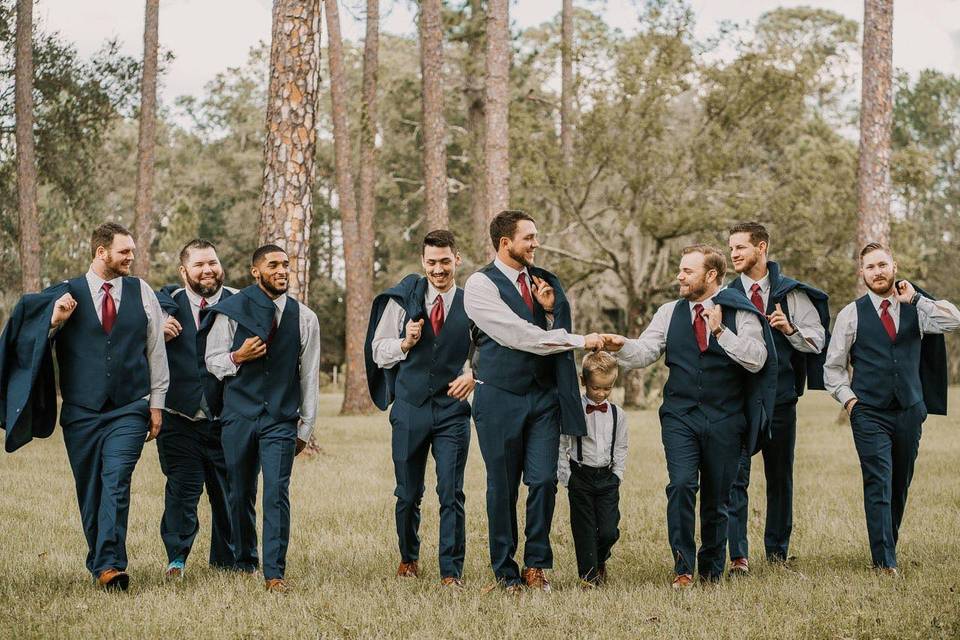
(682, 581)
(739, 567)
(451, 582)
(114, 580)
(408, 570)
(513, 589)
(889, 572)
(276, 585)
(535, 578)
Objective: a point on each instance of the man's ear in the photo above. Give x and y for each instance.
(183, 274)
(255, 272)
(457, 260)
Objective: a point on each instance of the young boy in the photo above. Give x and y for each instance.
(591, 467)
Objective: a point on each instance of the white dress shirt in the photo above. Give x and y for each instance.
(156, 349)
(386, 338)
(220, 364)
(933, 317)
(596, 444)
(810, 335)
(745, 347)
(483, 304)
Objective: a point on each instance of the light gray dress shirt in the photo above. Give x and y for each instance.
(220, 364)
(386, 338)
(745, 347)
(810, 334)
(934, 317)
(596, 444)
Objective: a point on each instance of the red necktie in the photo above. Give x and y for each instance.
(108, 310)
(525, 290)
(887, 320)
(273, 330)
(755, 297)
(602, 408)
(203, 305)
(700, 327)
(436, 316)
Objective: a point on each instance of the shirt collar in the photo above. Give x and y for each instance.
(96, 282)
(748, 282)
(195, 297)
(432, 294)
(707, 304)
(587, 401)
(876, 300)
(511, 273)
(281, 301)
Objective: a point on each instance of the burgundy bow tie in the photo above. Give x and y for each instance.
(602, 408)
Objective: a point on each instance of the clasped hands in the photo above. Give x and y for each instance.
(612, 342)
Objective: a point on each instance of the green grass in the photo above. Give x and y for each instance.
(343, 554)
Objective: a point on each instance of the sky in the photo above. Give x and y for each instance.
(926, 32)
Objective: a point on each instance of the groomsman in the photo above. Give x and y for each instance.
(526, 395)
(417, 343)
(191, 455)
(890, 337)
(798, 315)
(718, 397)
(108, 331)
(265, 346)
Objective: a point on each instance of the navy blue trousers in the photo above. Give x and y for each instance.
(444, 430)
(519, 436)
(594, 495)
(250, 446)
(700, 456)
(887, 443)
(777, 455)
(103, 448)
(191, 457)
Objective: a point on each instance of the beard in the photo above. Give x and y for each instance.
(694, 291)
(115, 268)
(881, 287)
(271, 289)
(202, 290)
(749, 262)
(519, 257)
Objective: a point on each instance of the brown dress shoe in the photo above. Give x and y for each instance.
(739, 567)
(408, 570)
(276, 585)
(535, 578)
(114, 580)
(682, 581)
(452, 582)
(513, 589)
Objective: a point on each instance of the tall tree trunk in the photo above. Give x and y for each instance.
(147, 143)
(357, 256)
(474, 89)
(286, 204)
(876, 118)
(566, 84)
(497, 107)
(26, 155)
(434, 124)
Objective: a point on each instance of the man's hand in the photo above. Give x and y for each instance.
(714, 317)
(778, 320)
(461, 387)
(593, 342)
(905, 291)
(156, 419)
(171, 329)
(612, 342)
(850, 405)
(251, 349)
(544, 294)
(62, 310)
(301, 445)
(413, 332)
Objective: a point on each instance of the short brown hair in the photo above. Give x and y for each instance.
(103, 235)
(598, 362)
(758, 232)
(712, 259)
(874, 246)
(439, 238)
(504, 225)
(196, 243)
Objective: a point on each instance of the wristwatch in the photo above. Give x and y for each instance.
(915, 298)
(718, 331)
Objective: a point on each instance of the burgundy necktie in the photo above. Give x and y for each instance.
(755, 297)
(108, 310)
(887, 320)
(203, 305)
(525, 290)
(602, 408)
(436, 316)
(700, 327)
(273, 330)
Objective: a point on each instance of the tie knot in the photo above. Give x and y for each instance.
(522, 278)
(107, 286)
(438, 299)
(698, 308)
(203, 303)
(755, 288)
(885, 305)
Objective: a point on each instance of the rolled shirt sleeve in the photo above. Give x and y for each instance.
(647, 349)
(810, 334)
(836, 376)
(386, 338)
(309, 371)
(937, 316)
(156, 347)
(746, 347)
(217, 356)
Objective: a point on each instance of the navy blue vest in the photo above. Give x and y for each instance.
(96, 367)
(271, 384)
(435, 361)
(786, 376)
(710, 381)
(189, 379)
(510, 369)
(886, 373)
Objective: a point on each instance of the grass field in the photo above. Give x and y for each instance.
(343, 554)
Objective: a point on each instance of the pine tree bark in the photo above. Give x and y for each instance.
(434, 124)
(566, 84)
(476, 117)
(147, 143)
(29, 217)
(876, 121)
(497, 107)
(357, 250)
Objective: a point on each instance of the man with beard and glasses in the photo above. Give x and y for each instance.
(265, 347)
(191, 455)
(418, 341)
(718, 398)
(107, 329)
(526, 396)
(799, 315)
(891, 338)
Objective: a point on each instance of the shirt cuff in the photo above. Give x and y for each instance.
(845, 395)
(727, 339)
(304, 430)
(796, 339)
(158, 399)
(628, 352)
(927, 305)
(577, 341)
(618, 473)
